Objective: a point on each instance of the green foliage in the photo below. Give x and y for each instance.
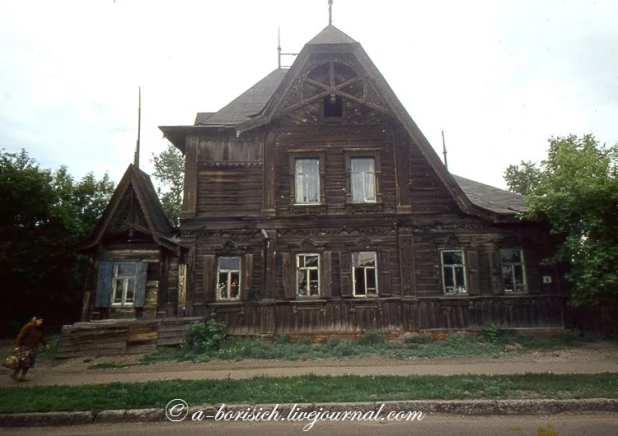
(577, 194)
(522, 178)
(282, 339)
(418, 339)
(42, 214)
(169, 168)
(491, 332)
(370, 338)
(205, 336)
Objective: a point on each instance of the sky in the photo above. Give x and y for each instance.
(498, 77)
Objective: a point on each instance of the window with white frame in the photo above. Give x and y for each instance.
(307, 275)
(228, 278)
(365, 270)
(363, 179)
(513, 270)
(306, 181)
(125, 275)
(453, 272)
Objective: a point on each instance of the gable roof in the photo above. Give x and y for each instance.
(491, 198)
(331, 35)
(158, 225)
(259, 104)
(248, 104)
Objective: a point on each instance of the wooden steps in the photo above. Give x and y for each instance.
(121, 336)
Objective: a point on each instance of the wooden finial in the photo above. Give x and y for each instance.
(330, 12)
(139, 128)
(444, 151)
(279, 47)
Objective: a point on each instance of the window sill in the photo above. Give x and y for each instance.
(457, 294)
(309, 298)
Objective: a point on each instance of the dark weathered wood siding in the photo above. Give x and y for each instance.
(239, 200)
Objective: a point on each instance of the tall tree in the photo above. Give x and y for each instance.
(577, 194)
(522, 178)
(42, 214)
(169, 168)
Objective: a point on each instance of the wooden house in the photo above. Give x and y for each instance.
(137, 263)
(313, 204)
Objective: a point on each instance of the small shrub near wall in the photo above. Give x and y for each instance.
(205, 336)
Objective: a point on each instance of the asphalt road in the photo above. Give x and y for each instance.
(433, 425)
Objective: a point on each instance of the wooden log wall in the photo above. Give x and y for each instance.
(161, 281)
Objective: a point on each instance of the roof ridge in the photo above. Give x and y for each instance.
(331, 35)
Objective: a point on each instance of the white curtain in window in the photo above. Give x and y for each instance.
(363, 180)
(307, 181)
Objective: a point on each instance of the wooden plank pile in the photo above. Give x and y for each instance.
(120, 336)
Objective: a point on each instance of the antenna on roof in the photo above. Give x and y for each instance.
(279, 47)
(139, 127)
(330, 12)
(279, 50)
(444, 151)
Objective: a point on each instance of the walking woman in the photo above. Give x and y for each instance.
(26, 345)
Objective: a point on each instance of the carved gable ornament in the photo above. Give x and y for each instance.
(362, 243)
(329, 81)
(307, 245)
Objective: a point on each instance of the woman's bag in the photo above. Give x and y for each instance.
(11, 362)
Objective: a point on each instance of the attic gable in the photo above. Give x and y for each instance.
(134, 207)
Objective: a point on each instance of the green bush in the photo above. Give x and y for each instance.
(205, 336)
(417, 339)
(370, 338)
(491, 332)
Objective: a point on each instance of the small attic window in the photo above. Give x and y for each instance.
(333, 106)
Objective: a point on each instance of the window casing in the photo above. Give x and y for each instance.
(228, 278)
(365, 273)
(308, 275)
(513, 270)
(123, 285)
(363, 179)
(306, 180)
(453, 272)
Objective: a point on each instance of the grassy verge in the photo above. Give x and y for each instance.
(308, 388)
(369, 344)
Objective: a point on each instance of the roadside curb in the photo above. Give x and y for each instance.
(456, 407)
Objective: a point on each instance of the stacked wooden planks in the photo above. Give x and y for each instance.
(120, 336)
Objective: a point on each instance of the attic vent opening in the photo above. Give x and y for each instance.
(333, 107)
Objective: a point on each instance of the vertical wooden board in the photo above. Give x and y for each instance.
(140, 284)
(495, 272)
(270, 280)
(406, 265)
(288, 266)
(533, 271)
(104, 283)
(473, 271)
(327, 275)
(384, 271)
(209, 277)
(345, 272)
(190, 183)
(247, 277)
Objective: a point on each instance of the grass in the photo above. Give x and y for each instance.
(368, 344)
(308, 388)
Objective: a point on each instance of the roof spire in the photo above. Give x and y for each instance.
(330, 12)
(139, 127)
(444, 151)
(279, 47)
